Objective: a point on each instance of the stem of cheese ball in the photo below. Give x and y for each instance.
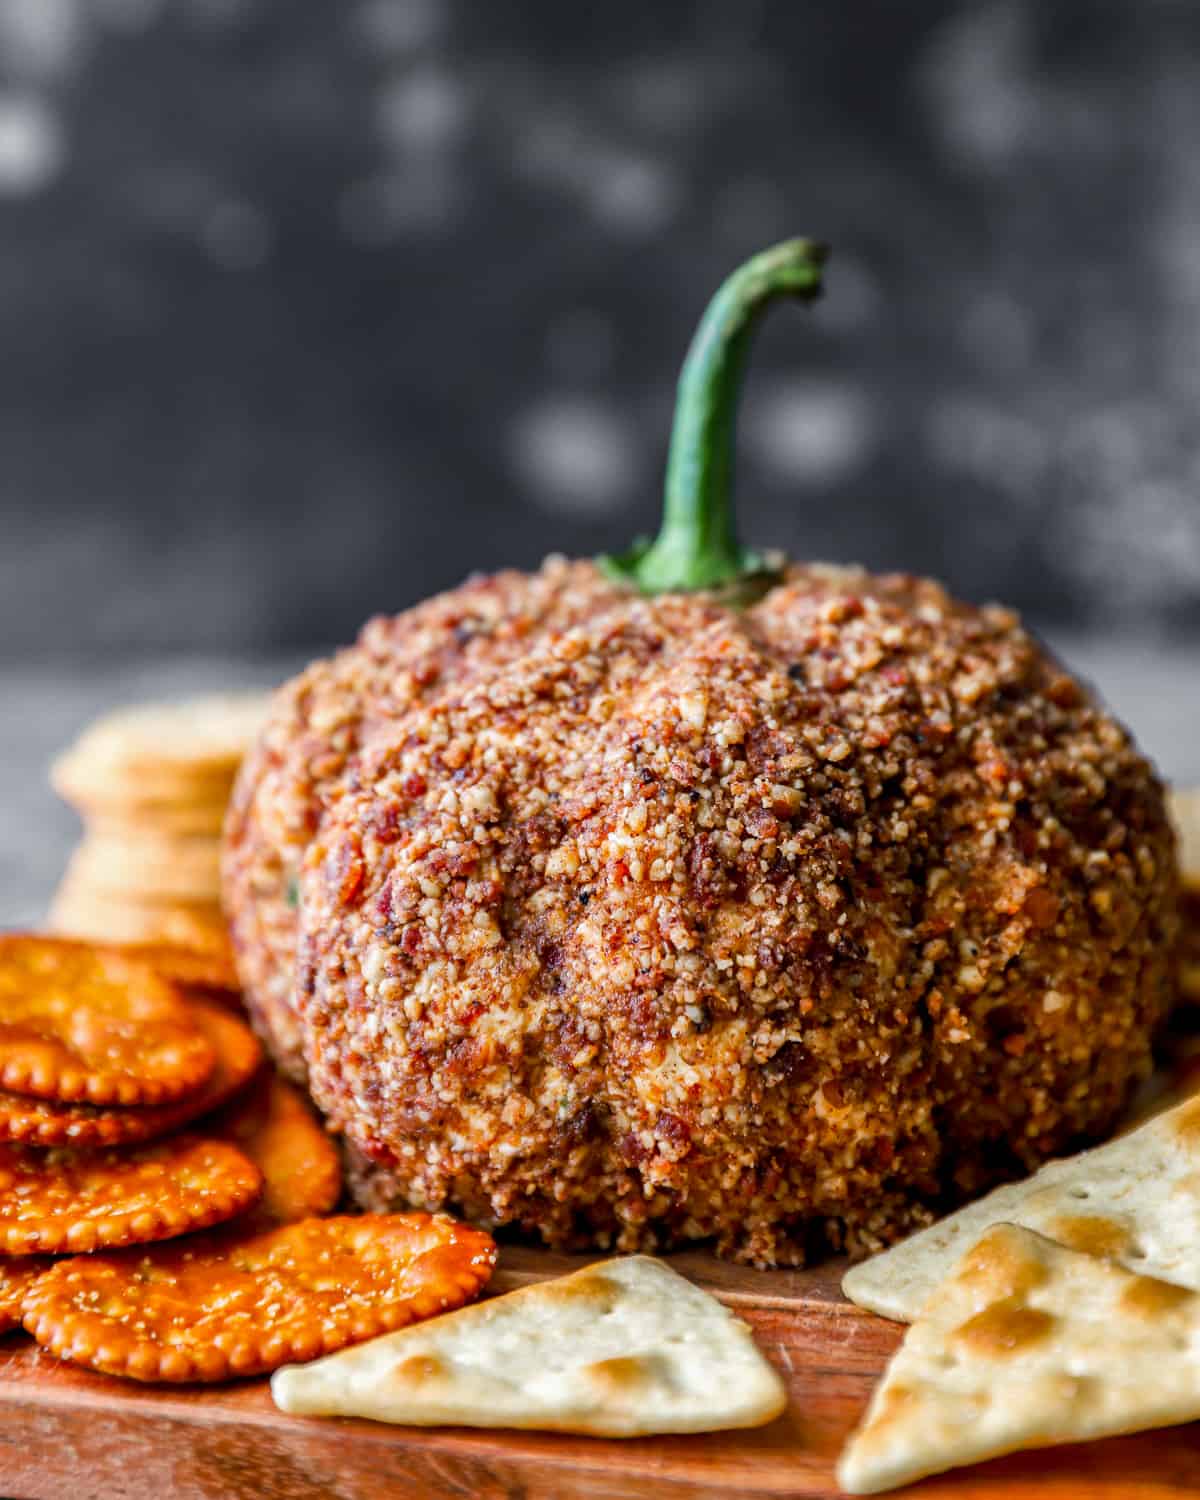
(697, 547)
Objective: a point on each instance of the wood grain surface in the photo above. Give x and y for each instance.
(69, 1435)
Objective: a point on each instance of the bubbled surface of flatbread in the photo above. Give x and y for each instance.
(1026, 1345)
(1135, 1200)
(620, 1349)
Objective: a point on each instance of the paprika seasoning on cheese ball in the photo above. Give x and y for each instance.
(692, 895)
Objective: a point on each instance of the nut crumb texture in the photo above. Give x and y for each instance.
(627, 922)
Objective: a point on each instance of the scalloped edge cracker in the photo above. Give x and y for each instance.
(620, 1349)
(1135, 1200)
(1027, 1345)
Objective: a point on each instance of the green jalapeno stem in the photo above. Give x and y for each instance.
(697, 546)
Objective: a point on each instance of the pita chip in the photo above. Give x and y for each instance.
(1025, 1345)
(619, 1349)
(1135, 1200)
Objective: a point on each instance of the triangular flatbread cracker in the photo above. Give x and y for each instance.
(1136, 1200)
(1024, 1346)
(620, 1349)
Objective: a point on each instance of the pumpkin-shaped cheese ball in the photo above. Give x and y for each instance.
(698, 898)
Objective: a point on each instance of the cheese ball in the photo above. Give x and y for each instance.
(625, 922)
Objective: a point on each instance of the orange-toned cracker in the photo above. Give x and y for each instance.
(77, 1023)
(41, 1122)
(62, 1200)
(274, 1124)
(225, 1305)
(16, 1277)
(185, 966)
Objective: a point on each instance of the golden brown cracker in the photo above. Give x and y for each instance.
(224, 1305)
(61, 1201)
(79, 1024)
(276, 1127)
(42, 1122)
(185, 966)
(16, 1277)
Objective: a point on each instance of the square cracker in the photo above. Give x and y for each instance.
(620, 1349)
(1136, 1200)
(1026, 1345)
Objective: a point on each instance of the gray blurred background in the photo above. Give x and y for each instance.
(308, 309)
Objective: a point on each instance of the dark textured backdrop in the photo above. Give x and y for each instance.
(306, 308)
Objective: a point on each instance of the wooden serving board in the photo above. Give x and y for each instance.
(68, 1435)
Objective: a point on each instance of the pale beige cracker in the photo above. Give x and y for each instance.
(207, 735)
(1027, 1345)
(620, 1349)
(1135, 1200)
(191, 819)
(185, 869)
(1183, 804)
(103, 918)
(94, 785)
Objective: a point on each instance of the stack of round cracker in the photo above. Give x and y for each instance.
(133, 1245)
(151, 784)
